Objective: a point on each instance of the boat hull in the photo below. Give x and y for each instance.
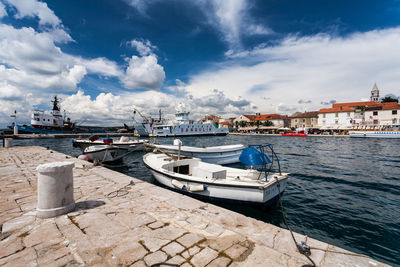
(221, 193)
(222, 157)
(131, 146)
(105, 153)
(31, 130)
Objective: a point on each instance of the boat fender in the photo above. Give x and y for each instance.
(179, 185)
(198, 187)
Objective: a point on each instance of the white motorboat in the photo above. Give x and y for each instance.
(123, 142)
(105, 153)
(227, 154)
(194, 177)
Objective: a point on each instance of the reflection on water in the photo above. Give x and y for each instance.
(342, 191)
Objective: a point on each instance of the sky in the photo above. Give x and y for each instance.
(104, 58)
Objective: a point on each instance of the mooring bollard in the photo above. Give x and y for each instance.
(8, 142)
(55, 189)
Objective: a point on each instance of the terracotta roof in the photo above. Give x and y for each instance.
(250, 117)
(264, 117)
(337, 109)
(225, 123)
(354, 104)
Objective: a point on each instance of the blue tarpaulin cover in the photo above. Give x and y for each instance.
(252, 156)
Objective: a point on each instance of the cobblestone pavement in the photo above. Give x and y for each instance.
(122, 221)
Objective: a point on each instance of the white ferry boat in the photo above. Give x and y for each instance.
(185, 127)
(387, 131)
(182, 126)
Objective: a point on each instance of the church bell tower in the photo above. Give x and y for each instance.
(375, 94)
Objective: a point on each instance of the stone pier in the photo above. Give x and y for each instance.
(122, 221)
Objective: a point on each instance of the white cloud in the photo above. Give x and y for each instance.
(317, 68)
(33, 8)
(144, 47)
(144, 72)
(3, 11)
(9, 92)
(230, 17)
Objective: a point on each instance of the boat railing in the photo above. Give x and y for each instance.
(265, 159)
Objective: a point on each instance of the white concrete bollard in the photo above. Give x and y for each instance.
(8, 142)
(55, 189)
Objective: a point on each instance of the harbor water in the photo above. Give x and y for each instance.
(343, 191)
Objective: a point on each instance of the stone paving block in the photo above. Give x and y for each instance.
(133, 220)
(139, 264)
(219, 262)
(156, 225)
(173, 248)
(193, 250)
(10, 245)
(67, 261)
(50, 254)
(204, 257)
(17, 223)
(176, 260)
(235, 251)
(156, 257)
(46, 234)
(168, 233)
(125, 253)
(225, 240)
(264, 256)
(189, 240)
(214, 229)
(154, 244)
(26, 257)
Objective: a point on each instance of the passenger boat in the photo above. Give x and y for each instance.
(212, 181)
(123, 142)
(227, 154)
(386, 131)
(182, 126)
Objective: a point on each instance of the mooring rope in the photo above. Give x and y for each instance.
(302, 247)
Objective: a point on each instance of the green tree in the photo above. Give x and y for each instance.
(268, 123)
(388, 99)
(236, 124)
(257, 123)
(242, 123)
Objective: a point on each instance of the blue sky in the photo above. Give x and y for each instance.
(216, 56)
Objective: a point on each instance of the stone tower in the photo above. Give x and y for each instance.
(375, 94)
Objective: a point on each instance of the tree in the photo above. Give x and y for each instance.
(257, 123)
(242, 123)
(237, 124)
(268, 123)
(388, 99)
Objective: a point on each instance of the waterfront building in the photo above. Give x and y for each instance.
(244, 120)
(277, 120)
(304, 119)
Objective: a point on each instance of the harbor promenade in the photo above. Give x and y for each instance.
(123, 221)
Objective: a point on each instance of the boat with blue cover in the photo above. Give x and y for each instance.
(260, 183)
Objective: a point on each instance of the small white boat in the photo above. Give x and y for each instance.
(227, 154)
(105, 153)
(212, 181)
(123, 142)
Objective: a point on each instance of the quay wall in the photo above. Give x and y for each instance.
(120, 220)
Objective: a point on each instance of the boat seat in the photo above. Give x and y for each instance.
(209, 173)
